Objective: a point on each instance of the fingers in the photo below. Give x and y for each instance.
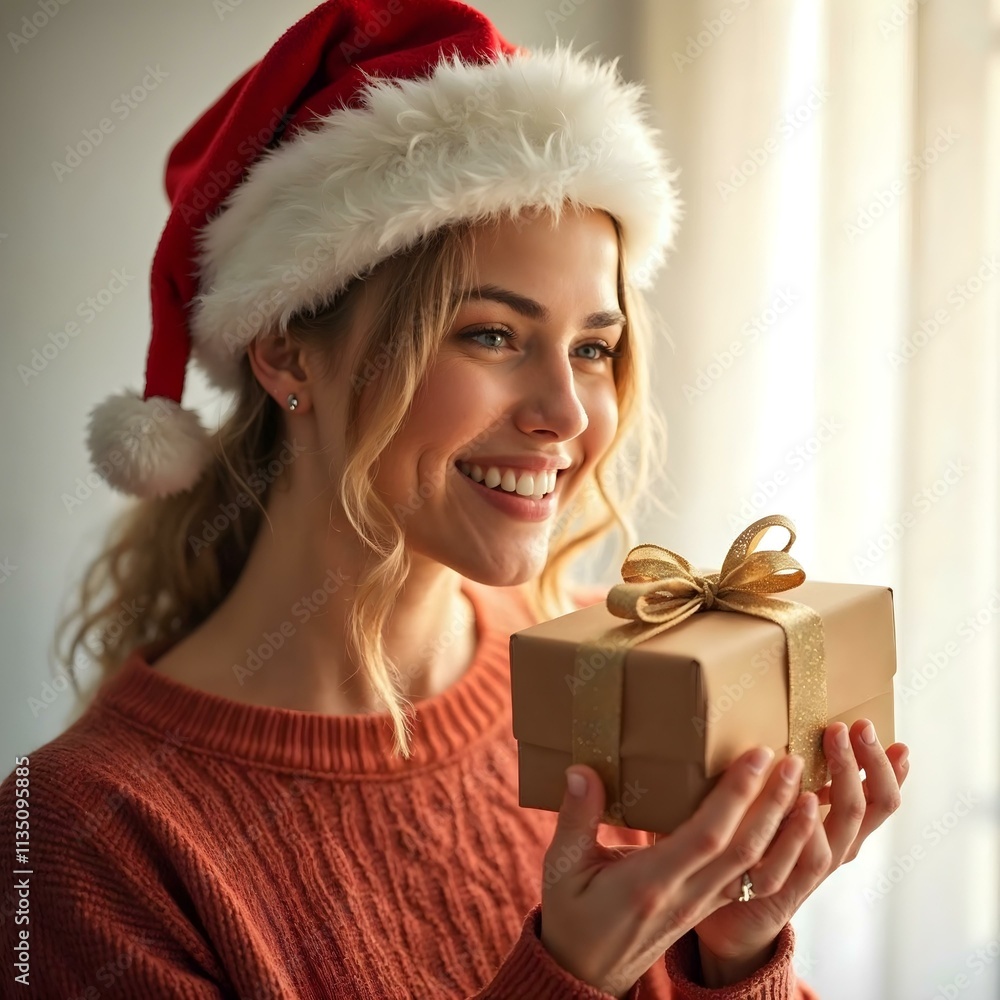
(847, 798)
(881, 785)
(784, 855)
(898, 757)
(883, 788)
(756, 831)
(700, 839)
(857, 808)
(802, 854)
(575, 839)
(813, 862)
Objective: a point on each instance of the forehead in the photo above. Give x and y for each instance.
(569, 255)
(534, 254)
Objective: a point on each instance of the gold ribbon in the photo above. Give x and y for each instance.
(660, 590)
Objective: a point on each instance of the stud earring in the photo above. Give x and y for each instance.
(293, 401)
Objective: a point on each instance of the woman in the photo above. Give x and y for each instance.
(299, 778)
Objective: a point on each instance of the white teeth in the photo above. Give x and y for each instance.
(525, 484)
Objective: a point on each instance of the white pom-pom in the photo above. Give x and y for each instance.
(147, 447)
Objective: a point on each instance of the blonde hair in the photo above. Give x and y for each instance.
(171, 561)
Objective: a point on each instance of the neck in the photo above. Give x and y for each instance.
(280, 636)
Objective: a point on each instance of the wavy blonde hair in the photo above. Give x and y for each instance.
(168, 562)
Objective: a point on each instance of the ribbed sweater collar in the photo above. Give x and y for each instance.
(443, 725)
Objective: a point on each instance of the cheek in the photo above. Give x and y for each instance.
(446, 413)
(602, 412)
(448, 409)
(445, 404)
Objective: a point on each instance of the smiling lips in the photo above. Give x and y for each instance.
(526, 484)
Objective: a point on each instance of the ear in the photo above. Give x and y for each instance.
(279, 364)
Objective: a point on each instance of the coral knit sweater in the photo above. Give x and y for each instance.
(183, 845)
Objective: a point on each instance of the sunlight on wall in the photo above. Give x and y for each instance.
(787, 414)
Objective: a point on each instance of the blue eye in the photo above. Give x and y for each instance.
(497, 331)
(510, 336)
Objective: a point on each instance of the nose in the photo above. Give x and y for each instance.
(551, 404)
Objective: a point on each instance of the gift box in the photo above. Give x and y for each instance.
(701, 691)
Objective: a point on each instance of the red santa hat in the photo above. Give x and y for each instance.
(367, 125)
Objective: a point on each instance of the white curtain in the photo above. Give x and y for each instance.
(830, 352)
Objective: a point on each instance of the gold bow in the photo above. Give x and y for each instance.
(660, 590)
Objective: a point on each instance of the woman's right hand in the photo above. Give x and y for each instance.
(614, 910)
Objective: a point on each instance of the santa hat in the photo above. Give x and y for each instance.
(367, 125)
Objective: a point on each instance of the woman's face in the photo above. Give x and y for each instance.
(546, 398)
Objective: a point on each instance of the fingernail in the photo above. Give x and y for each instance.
(868, 734)
(576, 783)
(759, 759)
(904, 758)
(842, 739)
(790, 768)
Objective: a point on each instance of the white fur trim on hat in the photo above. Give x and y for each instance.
(147, 447)
(468, 142)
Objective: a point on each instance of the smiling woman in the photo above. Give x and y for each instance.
(395, 390)
(541, 403)
(435, 373)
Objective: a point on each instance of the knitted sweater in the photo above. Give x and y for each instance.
(184, 845)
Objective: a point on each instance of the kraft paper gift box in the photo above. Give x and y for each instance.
(696, 696)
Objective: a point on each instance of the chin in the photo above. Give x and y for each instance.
(501, 579)
(493, 573)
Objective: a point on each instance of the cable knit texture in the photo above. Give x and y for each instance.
(188, 846)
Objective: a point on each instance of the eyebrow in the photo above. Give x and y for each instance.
(535, 310)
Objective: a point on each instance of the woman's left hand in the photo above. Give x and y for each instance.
(804, 852)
